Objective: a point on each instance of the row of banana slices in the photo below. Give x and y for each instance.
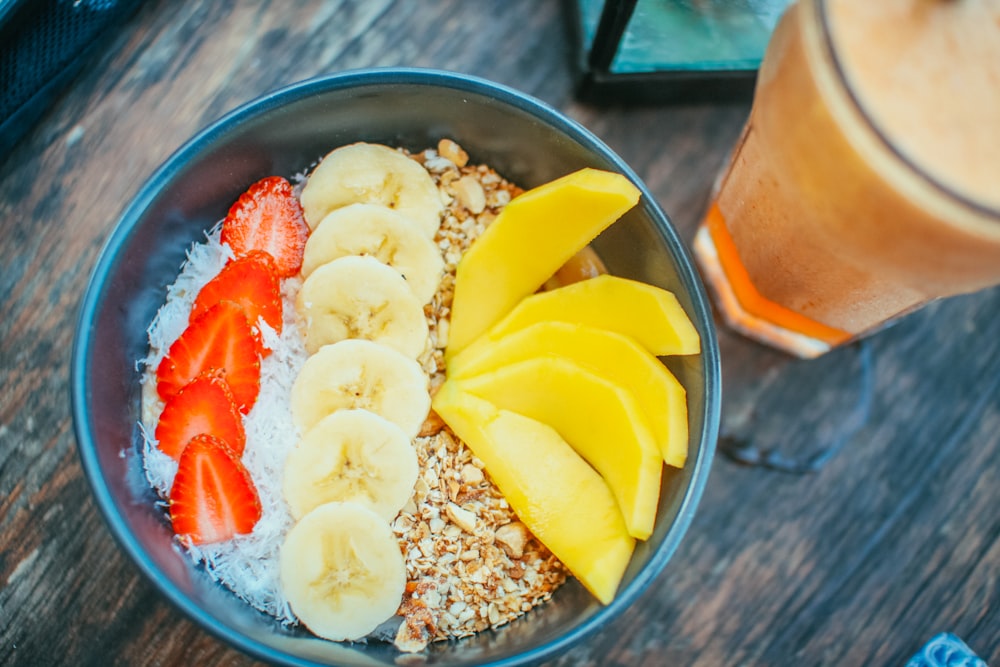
(360, 398)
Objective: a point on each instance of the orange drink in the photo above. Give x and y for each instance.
(866, 182)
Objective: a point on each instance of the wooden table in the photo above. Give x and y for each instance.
(892, 542)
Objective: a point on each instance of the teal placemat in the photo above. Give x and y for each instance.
(689, 34)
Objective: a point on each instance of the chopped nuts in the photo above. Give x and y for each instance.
(455, 564)
(432, 425)
(452, 151)
(512, 538)
(470, 194)
(462, 518)
(471, 474)
(458, 533)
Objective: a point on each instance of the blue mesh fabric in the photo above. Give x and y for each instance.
(43, 44)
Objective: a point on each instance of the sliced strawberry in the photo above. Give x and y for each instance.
(204, 406)
(220, 339)
(250, 281)
(268, 217)
(213, 497)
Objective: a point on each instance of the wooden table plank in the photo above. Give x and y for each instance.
(894, 541)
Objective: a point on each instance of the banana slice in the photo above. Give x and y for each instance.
(374, 174)
(342, 571)
(361, 374)
(360, 297)
(370, 229)
(355, 456)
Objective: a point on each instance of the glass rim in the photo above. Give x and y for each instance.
(884, 141)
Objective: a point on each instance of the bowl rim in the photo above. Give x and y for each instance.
(294, 92)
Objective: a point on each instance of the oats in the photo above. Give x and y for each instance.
(420, 490)
(499, 199)
(443, 327)
(410, 640)
(438, 164)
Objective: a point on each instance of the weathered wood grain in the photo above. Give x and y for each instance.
(894, 541)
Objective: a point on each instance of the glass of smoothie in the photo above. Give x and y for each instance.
(866, 182)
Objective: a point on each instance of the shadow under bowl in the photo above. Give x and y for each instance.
(283, 133)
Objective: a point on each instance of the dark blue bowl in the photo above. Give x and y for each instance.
(282, 133)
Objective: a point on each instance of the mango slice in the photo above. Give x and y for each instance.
(560, 498)
(532, 237)
(600, 420)
(611, 355)
(651, 315)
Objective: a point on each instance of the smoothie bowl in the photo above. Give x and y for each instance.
(347, 368)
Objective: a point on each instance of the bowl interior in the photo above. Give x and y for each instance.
(283, 134)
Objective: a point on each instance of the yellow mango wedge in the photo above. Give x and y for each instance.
(650, 315)
(611, 355)
(532, 237)
(600, 420)
(560, 498)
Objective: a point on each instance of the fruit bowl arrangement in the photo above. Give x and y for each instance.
(334, 349)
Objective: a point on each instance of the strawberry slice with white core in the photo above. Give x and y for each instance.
(220, 339)
(268, 217)
(251, 282)
(205, 405)
(213, 498)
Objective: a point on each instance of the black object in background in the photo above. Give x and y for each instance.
(43, 45)
(670, 50)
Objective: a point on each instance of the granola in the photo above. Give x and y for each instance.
(471, 565)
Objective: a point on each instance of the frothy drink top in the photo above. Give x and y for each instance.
(927, 72)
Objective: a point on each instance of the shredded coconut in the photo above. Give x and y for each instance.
(248, 564)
